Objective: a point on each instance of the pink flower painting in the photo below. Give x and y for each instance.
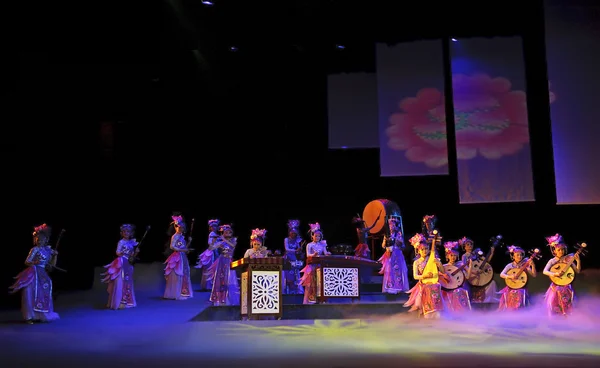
(490, 121)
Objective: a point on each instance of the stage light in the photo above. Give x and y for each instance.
(340, 47)
(207, 3)
(454, 40)
(233, 49)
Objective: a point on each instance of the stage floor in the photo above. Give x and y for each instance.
(158, 334)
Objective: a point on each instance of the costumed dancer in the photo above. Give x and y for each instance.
(425, 298)
(177, 272)
(456, 300)
(257, 248)
(559, 299)
(225, 289)
(206, 258)
(119, 273)
(394, 269)
(293, 255)
(362, 231)
(170, 232)
(34, 282)
(318, 247)
(478, 294)
(513, 299)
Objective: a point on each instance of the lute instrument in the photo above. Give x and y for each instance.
(520, 275)
(564, 270)
(431, 266)
(456, 275)
(482, 272)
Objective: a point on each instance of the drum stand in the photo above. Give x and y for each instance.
(374, 239)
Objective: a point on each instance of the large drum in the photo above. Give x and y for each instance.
(382, 208)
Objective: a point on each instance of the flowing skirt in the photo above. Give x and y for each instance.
(394, 271)
(177, 273)
(225, 287)
(513, 299)
(205, 260)
(36, 294)
(309, 282)
(456, 300)
(292, 276)
(427, 299)
(483, 294)
(119, 277)
(362, 250)
(559, 299)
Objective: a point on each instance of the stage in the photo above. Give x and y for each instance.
(161, 333)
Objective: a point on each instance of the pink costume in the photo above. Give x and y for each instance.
(177, 271)
(34, 282)
(559, 299)
(426, 298)
(119, 273)
(206, 258)
(478, 294)
(394, 270)
(257, 237)
(225, 288)
(513, 299)
(293, 257)
(318, 247)
(362, 231)
(456, 300)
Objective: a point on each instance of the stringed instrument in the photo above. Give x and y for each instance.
(565, 269)
(520, 276)
(482, 272)
(134, 257)
(457, 275)
(431, 266)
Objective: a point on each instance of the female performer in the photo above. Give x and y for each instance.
(119, 273)
(478, 294)
(318, 247)
(225, 289)
(394, 270)
(257, 249)
(362, 231)
(293, 255)
(34, 282)
(177, 272)
(456, 300)
(206, 258)
(426, 298)
(559, 299)
(513, 299)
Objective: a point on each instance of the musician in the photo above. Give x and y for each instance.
(362, 231)
(456, 300)
(318, 247)
(426, 298)
(34, 282)
(170, 232)
(225, 288)
(394, 270)
(206, 258)
(257, 250)
(559, 299)
(293, 255)
(119, 273)
(478, 294)
(177, 272)
(513, 299)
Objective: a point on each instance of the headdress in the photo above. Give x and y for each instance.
(451, 247)
(224, 228)
(418, 241)
(178, 221)
(128, 227)
(214, 222)
(515, 249)
(43, 230)
(258, 234)
(555, 241)
(429, 223)
(293, 225)
(464, 241)
(316, 227)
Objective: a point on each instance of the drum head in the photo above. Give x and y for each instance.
(370, 213)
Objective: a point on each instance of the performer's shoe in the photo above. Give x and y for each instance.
(29, 321)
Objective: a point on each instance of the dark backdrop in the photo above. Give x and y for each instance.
(240, 136)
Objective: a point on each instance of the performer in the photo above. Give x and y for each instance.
(426, 298)
(362, 231)
(318, 247)
(177, 272)
(170, 232)
(119, 273)
(456, 300)
(559, 299)
(257, 250)
(513, 299)
(394, 270)
(206, 258)
(478, 294)
(225, 289)
(34, 282)
(293, 255)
